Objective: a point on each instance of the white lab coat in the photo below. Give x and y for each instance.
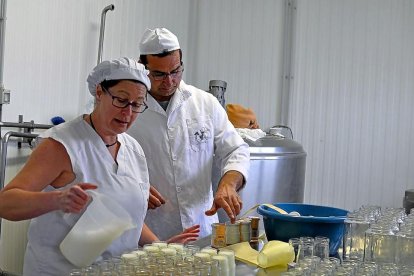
(179, 144)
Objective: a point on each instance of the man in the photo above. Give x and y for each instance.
(182, 130)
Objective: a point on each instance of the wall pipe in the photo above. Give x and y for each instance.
(29, 125)
(102, 31)
(27, 129)
(3, 160)
(4, 142)
(288, 47)
(3, 5)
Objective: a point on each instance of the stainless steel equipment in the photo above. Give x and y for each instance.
(408, 200)
(277, 173)
(217, 88)
(102, 30)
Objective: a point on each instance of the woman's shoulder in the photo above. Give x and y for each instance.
(65, 128)
(68, 133)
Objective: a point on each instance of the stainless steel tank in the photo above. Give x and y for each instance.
(277, 173)
(277, 165)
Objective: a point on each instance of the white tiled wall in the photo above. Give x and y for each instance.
(352, 100)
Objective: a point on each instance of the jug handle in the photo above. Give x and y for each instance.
(72, 218)
(286, 127)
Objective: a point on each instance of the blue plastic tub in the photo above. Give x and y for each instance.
(314, 221)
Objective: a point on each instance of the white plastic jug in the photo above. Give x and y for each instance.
(103, 221)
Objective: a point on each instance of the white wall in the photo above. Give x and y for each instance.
(51, 46)
(352, 100)
(241, 42)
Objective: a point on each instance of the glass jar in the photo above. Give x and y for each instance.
(354, 237)
(380, 244)
(405, 247)
(321, 247)
(306, 247)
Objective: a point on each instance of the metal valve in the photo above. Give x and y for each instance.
(4, 96)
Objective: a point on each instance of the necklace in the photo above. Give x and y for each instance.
(93, 126)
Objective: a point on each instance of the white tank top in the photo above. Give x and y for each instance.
(126, 182)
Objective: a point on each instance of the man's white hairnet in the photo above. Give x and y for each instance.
(157, 41)
(118, 69)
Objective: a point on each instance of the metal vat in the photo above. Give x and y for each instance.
(277, 173)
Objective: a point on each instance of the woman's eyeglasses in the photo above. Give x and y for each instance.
(122, 103)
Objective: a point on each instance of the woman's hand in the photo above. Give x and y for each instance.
(74, 199)
(189, 234)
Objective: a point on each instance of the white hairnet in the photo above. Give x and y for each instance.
(118, 69)
(158, 41)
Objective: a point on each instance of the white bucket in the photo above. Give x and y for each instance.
(103, 221)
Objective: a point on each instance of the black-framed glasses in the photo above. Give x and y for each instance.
(157, 75)
(122, 103)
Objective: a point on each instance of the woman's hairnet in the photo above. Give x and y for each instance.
(118, 69)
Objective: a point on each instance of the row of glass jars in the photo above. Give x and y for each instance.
(160, 258)
(315, 266)
(383, 235)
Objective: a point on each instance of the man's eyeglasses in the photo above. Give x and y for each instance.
(122, 103)
(157, 75)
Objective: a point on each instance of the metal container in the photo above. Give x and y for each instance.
(218, 235)
(277, 172)
(217, 88)
(232, 233)
(408, 200)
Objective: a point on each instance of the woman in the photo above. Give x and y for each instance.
(89, 152)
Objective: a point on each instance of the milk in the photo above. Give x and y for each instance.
(103, 221)
(82, 249)
(231, 261)
(223, 265)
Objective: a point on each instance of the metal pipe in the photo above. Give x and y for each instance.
(27, 126)
(3, 161)
(288, 43)
(31, 125)
(102, 31)
(3, 5)
(4, 142)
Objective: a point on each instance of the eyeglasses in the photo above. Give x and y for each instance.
(157, 75)
(122, 103)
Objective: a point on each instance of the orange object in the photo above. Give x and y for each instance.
(241, 117)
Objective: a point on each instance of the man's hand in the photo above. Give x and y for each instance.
(155, 199)
(227, 197)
